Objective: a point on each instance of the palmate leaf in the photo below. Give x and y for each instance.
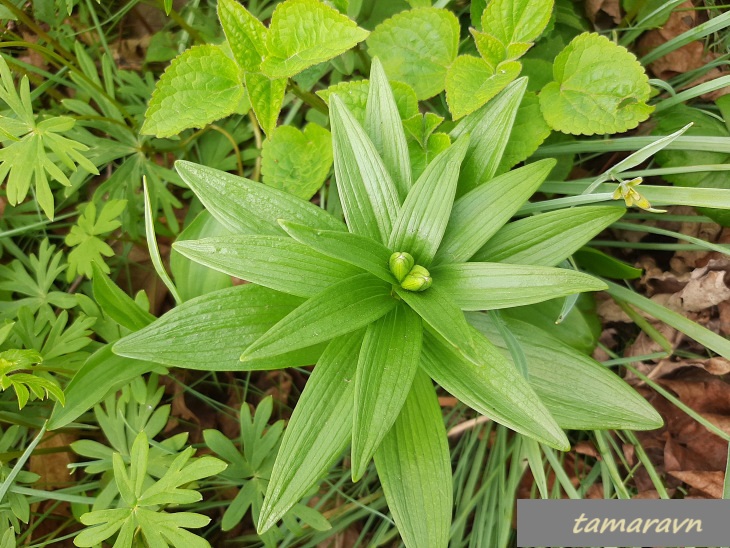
(414, 467)
(386, 367)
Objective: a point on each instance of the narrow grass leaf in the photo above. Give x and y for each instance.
(478, 215)
(414, 467)
(356, 250)
(318, 432)
(276, 262)
(388, 362)
(246, 207)
(342, 308)
(547, 239)
(488, 286)
(210, 332)
(384, 126)
(579, 392)
(425, 213)
(493, 387)
(368, 194)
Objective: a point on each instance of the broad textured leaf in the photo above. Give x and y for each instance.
(516, 21)
(471, 82)
(102, 373)
(425, 213)
(303, 33)
(354, 95)
(493, 387)
(529, 131)
(275, 262)
(246, 207)
(266, 95)
(342, 308)
(417, 47)
(414, 467)
(489, 286)
(297, 161)
(356, 250)
(246, 35)
(200, 86)
(318, 432)
(367, 192)
(549, 238)
(210, 332)
(579, 392)
(479, 214)
(599, 88)
(385, 129)
(116, 304)
(386, 367)
(489, 128)
(444, 317)
(191, 278)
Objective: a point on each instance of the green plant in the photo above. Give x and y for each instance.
(316, 280)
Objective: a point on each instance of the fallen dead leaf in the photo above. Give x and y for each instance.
(710, 483)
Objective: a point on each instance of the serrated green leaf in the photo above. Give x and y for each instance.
(579, 392)
(304, 33)
(489, 128)
(385, 129)
(416, 47)
(414, 467)
(529, 131)
(422, 220)
(339, 309)
(210, 332)
(267, 97)
(386, 367)
(275, 262)
(489, 286)
(492, 387)
(201, 85)
(246, 35)
(548, 238)
(246, 207)
(360, 251)
(513, 22)
(599, 88)
(116, 304)
(354, 94)
(367, 192)
(478, 215)
(297, 161)
(319, 430)
(471, 82)
(490, 48)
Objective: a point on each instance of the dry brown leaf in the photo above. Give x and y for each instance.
(603, 12)
(53, 467)
(707, 482)
(704, 289)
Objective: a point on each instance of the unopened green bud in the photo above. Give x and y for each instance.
(418, 279)
(401, 264)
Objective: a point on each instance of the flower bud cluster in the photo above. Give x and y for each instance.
(412, 277)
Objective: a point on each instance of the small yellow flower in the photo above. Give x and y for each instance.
(632, 197)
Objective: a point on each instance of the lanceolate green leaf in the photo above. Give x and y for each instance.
(414, 467)
(488, 286)
(318, 432)
(351, 248)
(476, 216)
(444, 317)
(489, 128)
(493, 387)
(339, 309)
(368, 194)
(425, 213)
(579, 392)
(210, 332)
(303, 33)
(276, 262)
(116, 304)
(548, 238)
(246, 207)
(383, 125)
(388, 362)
